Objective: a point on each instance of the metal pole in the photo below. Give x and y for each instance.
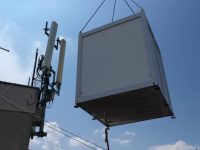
(33, 75)
(45, 80)
(46, 73)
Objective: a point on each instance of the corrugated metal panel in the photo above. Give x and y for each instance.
(116, 62)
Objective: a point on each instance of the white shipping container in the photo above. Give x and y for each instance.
(120, 75)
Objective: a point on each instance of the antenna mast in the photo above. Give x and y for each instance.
(46, 76)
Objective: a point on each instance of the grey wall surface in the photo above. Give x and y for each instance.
(15, 129)
(17, 105)
(19, 98)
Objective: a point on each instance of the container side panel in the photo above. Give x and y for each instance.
(163, 80)
(158, 65)
(78, 77)
(93, 69)
(114, 58)
(150, 51)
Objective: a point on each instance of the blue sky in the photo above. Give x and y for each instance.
(176, 27)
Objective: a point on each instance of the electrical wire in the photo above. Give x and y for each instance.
(74, 135)
(129, 7)
(71, 137)
(114, 10)
(11, 102)
(4, 49)
(93, 15)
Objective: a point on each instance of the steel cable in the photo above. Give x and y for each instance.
(93, 15)
(114, 10)
(129, 6)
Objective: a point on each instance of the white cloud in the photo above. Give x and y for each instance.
(53, 139)
(180, 145)
(128, 133)
(100, 132)
(13, 68)
(125, 139)
(35, 142)
(57, 141)
(77, 143)
(51, 142)
(73, 143)
(121, 141)
(96, 131)
(38, 44)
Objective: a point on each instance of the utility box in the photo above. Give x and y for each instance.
(120, 75)
(17, 107)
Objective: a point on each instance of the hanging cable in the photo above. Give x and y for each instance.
(114, 10)
(106, 138)
(11, 102)
(93, 15)
(137, 4)
(75, 135)
(129, 7)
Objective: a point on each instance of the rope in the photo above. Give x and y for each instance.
(93, 15)
(114, 10)
(129, 7)
(106, 138)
